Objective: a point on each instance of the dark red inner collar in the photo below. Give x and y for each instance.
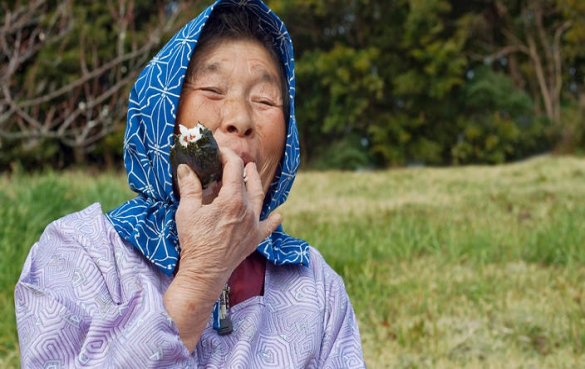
(247, 280)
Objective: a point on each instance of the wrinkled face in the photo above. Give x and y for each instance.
(235, 91)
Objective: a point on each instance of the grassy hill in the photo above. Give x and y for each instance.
(471, 267)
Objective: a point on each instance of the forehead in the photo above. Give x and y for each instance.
(217, 56)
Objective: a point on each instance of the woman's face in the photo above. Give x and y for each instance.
(235, 91)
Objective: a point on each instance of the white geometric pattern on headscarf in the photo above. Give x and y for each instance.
(147, 221)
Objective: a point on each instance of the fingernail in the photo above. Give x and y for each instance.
(182, 171)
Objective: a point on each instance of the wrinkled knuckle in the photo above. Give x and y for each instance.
(188, 191)
(231, 200)
(234, 205)
(257, 195)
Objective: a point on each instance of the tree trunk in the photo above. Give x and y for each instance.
(109, 160)
(539, 69)
(79, 156)
(514, 70)
(582, 104)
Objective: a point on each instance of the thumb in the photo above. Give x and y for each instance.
(189, 184)
(269, 225)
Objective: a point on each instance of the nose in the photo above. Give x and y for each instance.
(237, 118)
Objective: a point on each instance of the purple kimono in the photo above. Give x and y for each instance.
(91, 290)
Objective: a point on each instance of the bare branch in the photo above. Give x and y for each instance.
(557, 67)
(556, 47)
(86, 109)
(533, 32)
(505, 51)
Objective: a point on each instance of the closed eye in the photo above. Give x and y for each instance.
(212, 90)
(266, 102)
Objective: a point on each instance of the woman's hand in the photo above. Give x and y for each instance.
(214, 239)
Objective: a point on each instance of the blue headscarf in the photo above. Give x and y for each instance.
(147, 221)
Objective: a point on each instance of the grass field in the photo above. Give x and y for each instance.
(473, 267)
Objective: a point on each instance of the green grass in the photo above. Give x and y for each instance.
(473, 267)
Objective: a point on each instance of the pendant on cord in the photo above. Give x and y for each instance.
(225, 323)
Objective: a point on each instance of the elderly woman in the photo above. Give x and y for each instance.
(139, 286)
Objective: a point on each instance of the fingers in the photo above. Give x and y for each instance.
(269, 225)
(234, 175)
(254, 187)
(189, 185)
(233, 167)
(245, 182)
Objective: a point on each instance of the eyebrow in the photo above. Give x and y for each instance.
(207, 68)
(267, 77)
(215, 67)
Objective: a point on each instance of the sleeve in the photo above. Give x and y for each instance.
(72, 312)
(341, 346)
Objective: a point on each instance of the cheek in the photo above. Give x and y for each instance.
(195, 109)
(272, 143)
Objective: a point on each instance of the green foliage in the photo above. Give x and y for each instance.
(396, 140)
(574, 38)
(491, 140)
(108, 153)
(422, 107)
(348, 81)
(494, 91)
(344, 85)
(571, 136)
(498, 125)
(438, 62)
(347, 153)
(30, 155)
(371, 76)
(394, 73)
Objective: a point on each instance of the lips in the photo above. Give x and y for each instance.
(238, 145)
(246, 157)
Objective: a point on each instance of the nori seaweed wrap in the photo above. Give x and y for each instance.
(197, 148)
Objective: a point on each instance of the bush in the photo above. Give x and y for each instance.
(30, 154)
(347, 153)
(571, 136)
(499, 124)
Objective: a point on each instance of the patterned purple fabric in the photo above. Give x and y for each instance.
(87, 298)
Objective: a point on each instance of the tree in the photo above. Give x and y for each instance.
(535, 29)
(66, 66)
(496, 120)
(430, 69)
(344, 61)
